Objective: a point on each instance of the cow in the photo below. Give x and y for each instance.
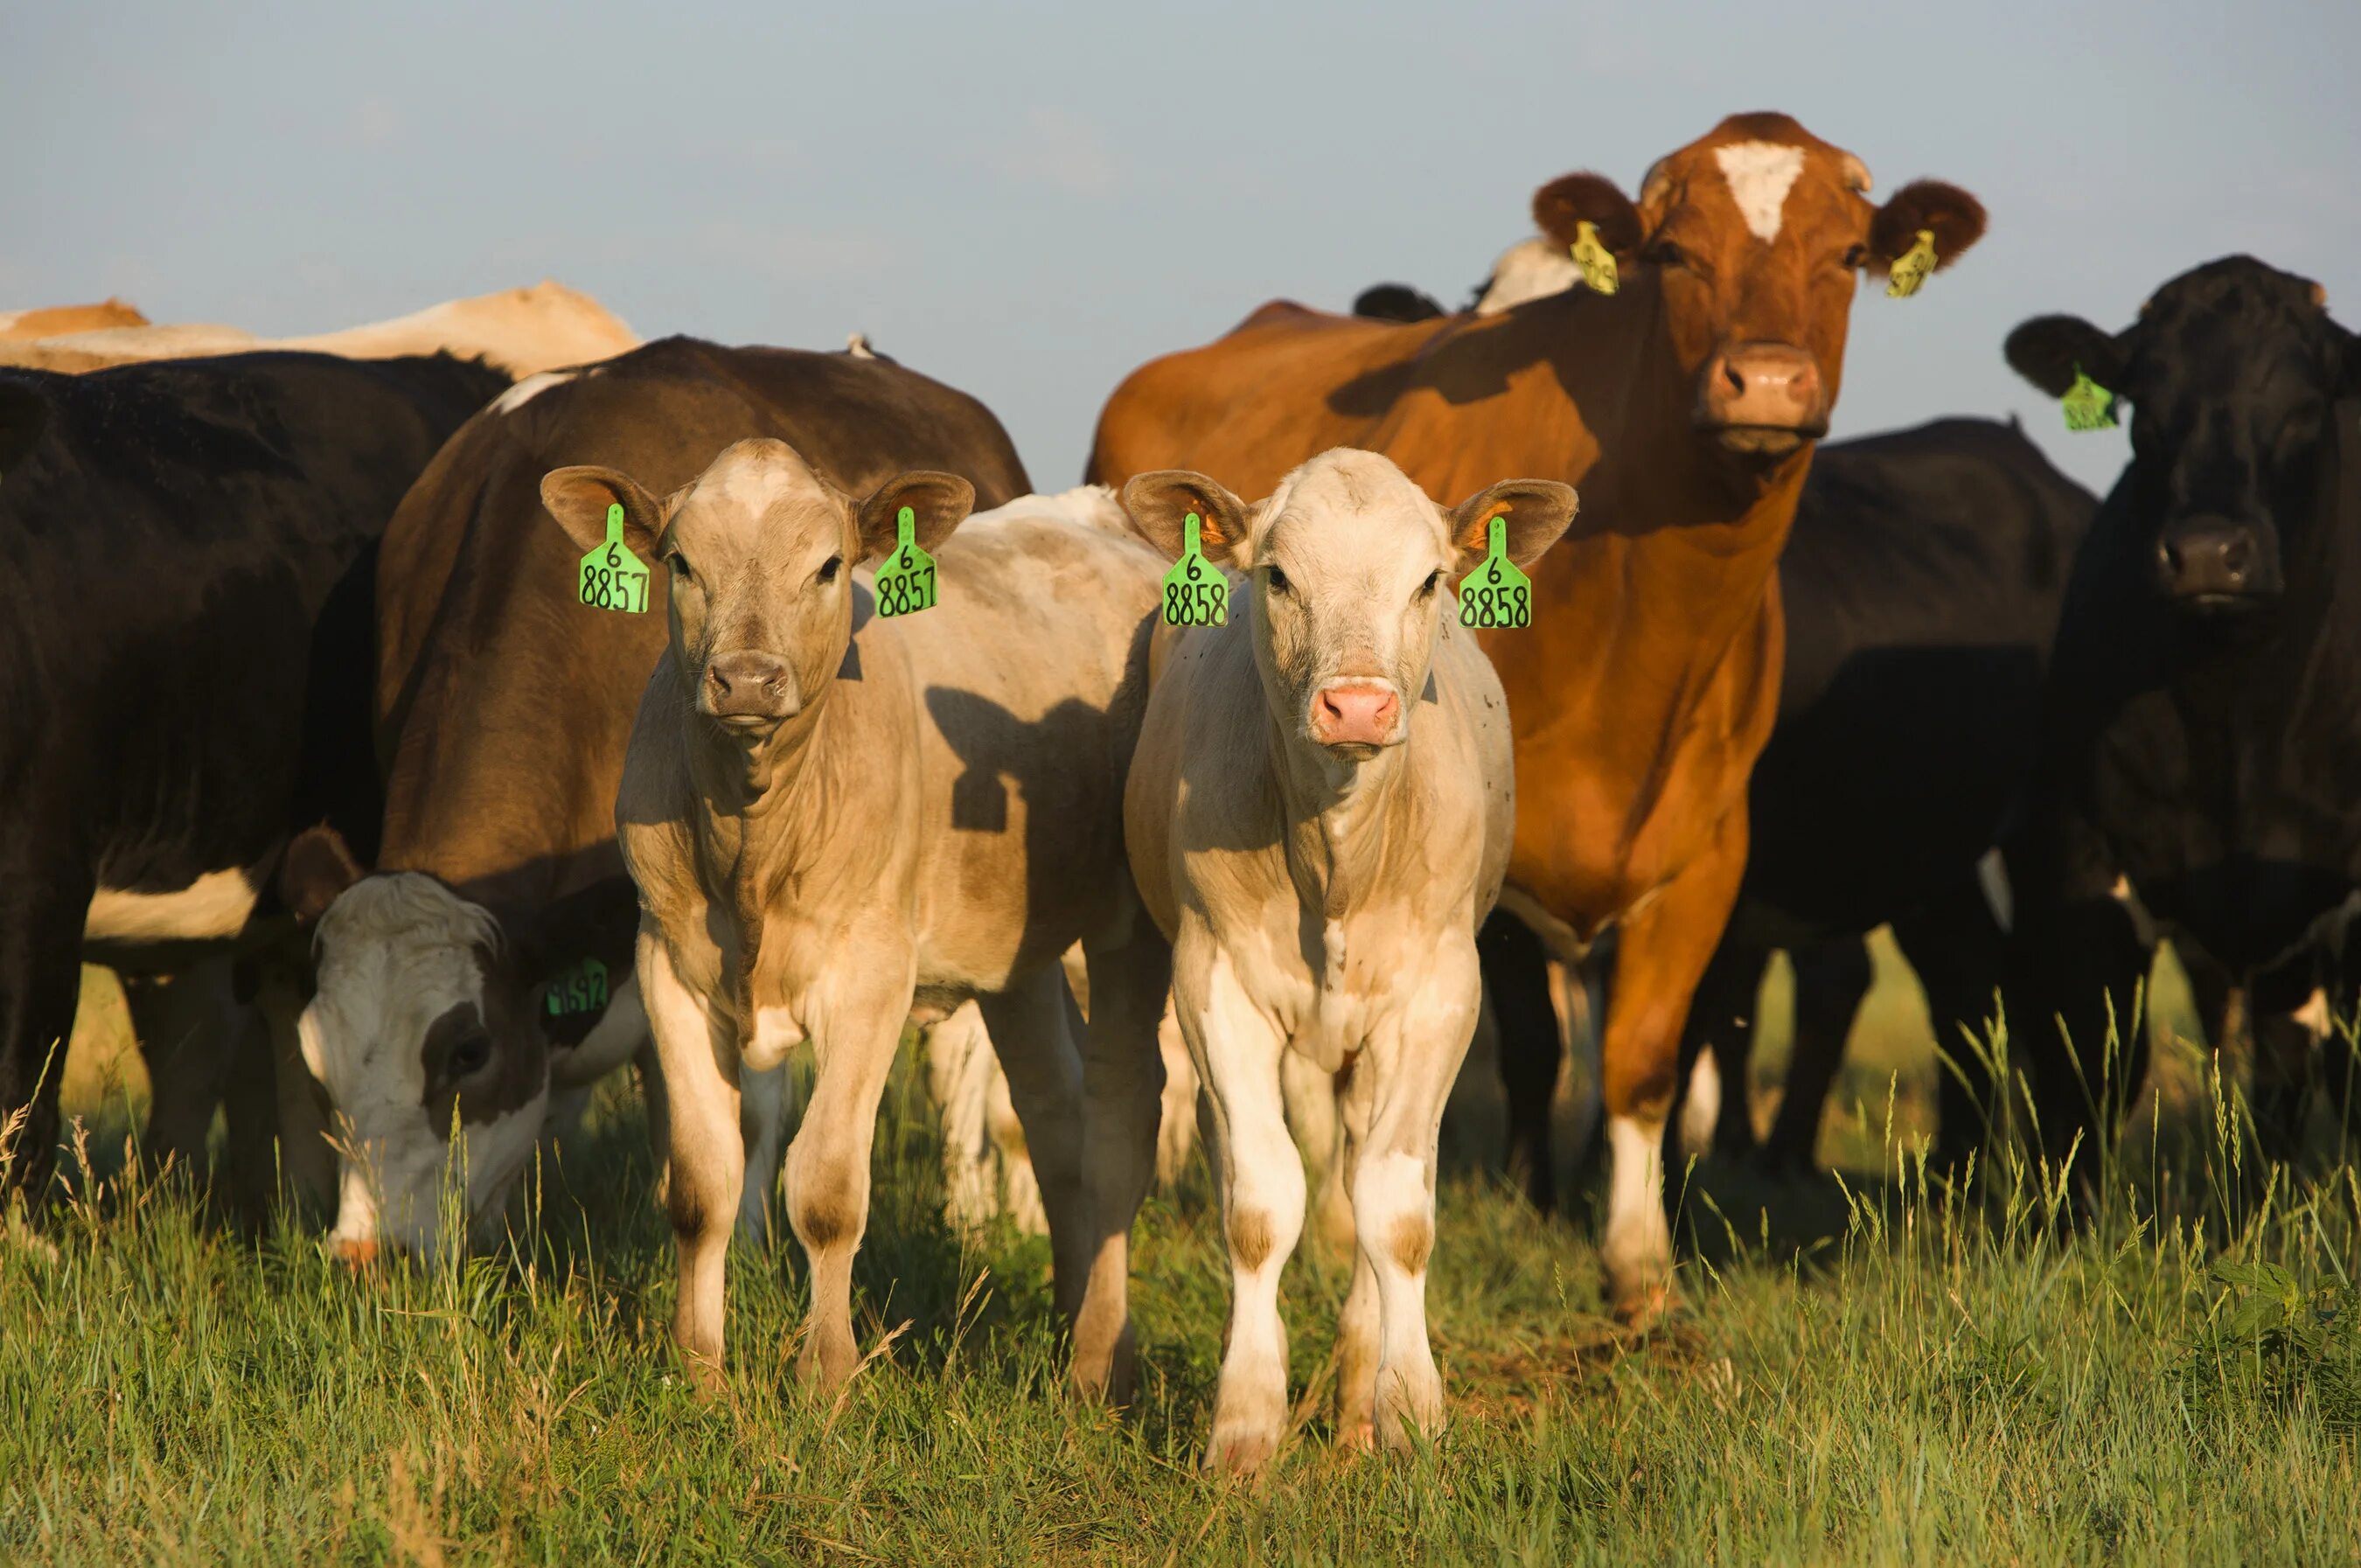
(1527, 269)
(1317, 819)
(522, 331)
(1685, 405)
(155, 760)
(2201, 744)
(836, 817)
(54, 321)
(504, 707)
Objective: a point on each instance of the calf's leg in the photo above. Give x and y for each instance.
(707, 1169)
(765, 1110)
(1033, 1031)
(1516, 971)
(853, 1037)
(1122, 1081)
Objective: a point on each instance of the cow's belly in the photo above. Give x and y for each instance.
(215, 905)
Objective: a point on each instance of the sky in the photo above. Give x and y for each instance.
(1029, 201)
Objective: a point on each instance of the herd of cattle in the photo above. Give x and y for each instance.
(401, 842)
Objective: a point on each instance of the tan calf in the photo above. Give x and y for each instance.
(1319, 817)
(835, 820)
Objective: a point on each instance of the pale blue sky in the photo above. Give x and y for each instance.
(1029, 201)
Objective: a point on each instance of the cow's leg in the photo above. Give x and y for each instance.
(1033, 1027)
(1831, 979)
(2086, 960)
(698, 1050)
(656, 1105)
(42, 908)
(1122, 1082)
(765, 1113)
(1237, 1049)
(1010, 1163)
(1310, 1095)
(960, 1070)
(1662, 956)
(307, 1158)
(1360, 1326)
(1176, 1122)
(187, 1026)
(1958, 949)
(1516, 971)
(2290, 1019)
(1721, 1023)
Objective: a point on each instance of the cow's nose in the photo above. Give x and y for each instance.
(1354, 713)
(2210, 559)
(749, 685)
(1763, 397)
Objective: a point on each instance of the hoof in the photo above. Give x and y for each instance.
(1357, 1437)
(1645, 1310)
(1239, 1453)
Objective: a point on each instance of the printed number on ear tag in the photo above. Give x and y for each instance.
(1910, 269)
(2088, 405)
(613, 577)
(1495, 595)
(1596, 262)
(1195, 592)
(582, 989)
(906, 583)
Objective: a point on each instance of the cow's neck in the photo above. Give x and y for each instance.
(765, 801)
(1333, 806)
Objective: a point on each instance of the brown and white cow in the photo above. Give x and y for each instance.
(836, 819)
(55, 320)
(1319, 817)
(1685, 405)
(504, 710)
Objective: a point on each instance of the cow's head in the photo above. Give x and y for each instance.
(2232, 372)
(1755, 236)
(1349, 570)
(762, 549)
(433, 1016)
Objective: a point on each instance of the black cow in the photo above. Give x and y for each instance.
(186, 658)
(2201, 737)
(1922, 586)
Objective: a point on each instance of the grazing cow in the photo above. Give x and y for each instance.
(2201, 738)
(504, 707)
(1317, 819)
(55, 320)
(155, 760)
(836, 818)
(1687, 405)
(523, 331)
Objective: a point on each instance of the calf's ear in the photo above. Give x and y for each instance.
(1569, 201)
(24, 415)
(1955, 218)
(1158, 504)
(579, 499)
(1537, 510)
(2047, 351)
(939, 502)
(314, 872)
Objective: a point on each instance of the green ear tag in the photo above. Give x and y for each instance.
(906, 583)
(1496, 593)
(1910, 269)
(1596, 262)
(582, 989)
(613, 577)
(1195, 594)
(2088, 405)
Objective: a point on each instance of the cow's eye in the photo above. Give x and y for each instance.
(1854, 256)
(829, 568)
(1665, 253)
(1433, 581)
(470, 1055)
(680, 567)
(1275, 578)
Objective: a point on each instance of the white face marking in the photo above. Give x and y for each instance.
(531, 386)
(215, 904)
(1759, 173)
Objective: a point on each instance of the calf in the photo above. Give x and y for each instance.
(836, 818)
(504, 707)
(184, 676)
(1320, 862)
(2202, 739)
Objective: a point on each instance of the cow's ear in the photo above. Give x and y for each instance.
(579, 499)
(24, 415)
(314, 872)
(1158, 505)
(1537, 511)
(939, 502)
(2049, 351)
(1955, 218)
(1567, 203)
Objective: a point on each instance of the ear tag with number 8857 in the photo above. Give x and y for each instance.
(613, 577)
(906, 583)
(1195, 594)
(1496, 594)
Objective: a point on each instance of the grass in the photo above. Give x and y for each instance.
(1872, 1372)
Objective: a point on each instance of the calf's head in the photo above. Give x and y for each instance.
(1755, 235)
(1349, 572)
(431, 1019)
(2232, 372)
(760, 548)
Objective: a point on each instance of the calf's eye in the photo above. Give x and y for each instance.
(1433, 581)
(1275, 578)
(829, 568)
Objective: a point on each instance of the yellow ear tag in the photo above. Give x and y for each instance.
(1597, 262)
(1911, 268)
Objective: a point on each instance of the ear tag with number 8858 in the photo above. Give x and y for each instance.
(1195, 594)
(906, 583)
(1495, 595)
(613, 577)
